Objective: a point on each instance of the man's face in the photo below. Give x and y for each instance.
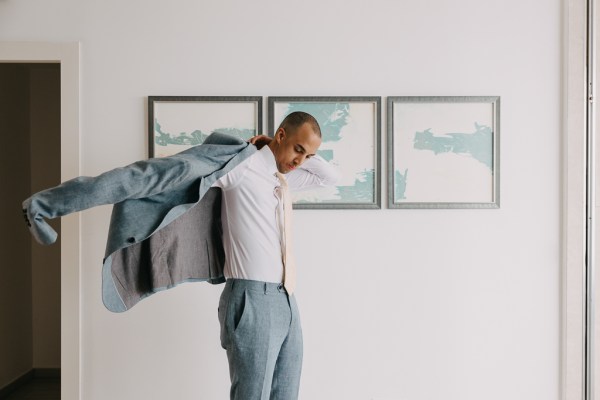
(293, 148)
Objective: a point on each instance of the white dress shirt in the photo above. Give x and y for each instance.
(250, 209)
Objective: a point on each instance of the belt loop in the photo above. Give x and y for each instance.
(266, 288)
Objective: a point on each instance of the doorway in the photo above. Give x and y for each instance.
(30, 115)
(65, 60)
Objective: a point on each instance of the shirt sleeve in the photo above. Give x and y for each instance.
(233, 178)
(313, 173)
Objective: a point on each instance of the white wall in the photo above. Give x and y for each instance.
(429, 304)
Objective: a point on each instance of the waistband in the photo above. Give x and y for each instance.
(258, 286)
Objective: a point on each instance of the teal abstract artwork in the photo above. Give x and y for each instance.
(349, 142)
(179, 125)
(449, 146)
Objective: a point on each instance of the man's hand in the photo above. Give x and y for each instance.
(260, 140)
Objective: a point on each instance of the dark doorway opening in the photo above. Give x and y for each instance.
(30, 308)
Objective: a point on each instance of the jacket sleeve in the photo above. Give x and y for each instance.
(140, 180)
(137, 180)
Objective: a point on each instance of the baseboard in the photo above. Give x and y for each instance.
(17, 383)
(28, 376)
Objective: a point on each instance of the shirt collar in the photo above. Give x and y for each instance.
(268, 159)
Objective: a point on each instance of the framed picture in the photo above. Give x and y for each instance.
(443, 152)
(176, 123)
(351, 140)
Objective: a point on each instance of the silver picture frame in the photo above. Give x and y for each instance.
(351, 140)
(176, 123)
(443, 151)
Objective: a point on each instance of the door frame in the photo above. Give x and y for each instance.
(67, 55)
(575, 353)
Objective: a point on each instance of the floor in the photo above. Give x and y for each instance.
(37, 389)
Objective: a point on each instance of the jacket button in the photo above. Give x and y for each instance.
(131, 240)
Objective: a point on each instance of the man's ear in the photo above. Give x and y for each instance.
(280, 135)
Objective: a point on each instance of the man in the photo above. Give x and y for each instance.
(260, 325)
(214, 211)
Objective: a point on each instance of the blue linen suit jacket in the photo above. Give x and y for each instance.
(165, 227)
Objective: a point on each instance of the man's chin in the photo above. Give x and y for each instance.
(285, 169)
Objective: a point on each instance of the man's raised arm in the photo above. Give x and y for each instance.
(315, 172)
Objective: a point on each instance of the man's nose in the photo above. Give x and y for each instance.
(299, 160)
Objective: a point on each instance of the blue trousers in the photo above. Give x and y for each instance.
(261, 332)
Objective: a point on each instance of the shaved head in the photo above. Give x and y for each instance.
(295, 120)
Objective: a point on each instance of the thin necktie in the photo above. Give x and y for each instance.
(289, 265)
